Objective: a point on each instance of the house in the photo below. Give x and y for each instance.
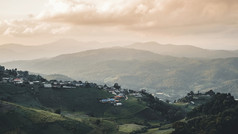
(112, 92)
(111, 100)
(100, 86)
(79, 84)
(36, 82)
(46, 85)
(118, 104)
(18, 81)
(121, 94)
(118, 97)
(104, 100)
(5, 80)
(69, 87)
(31, 83)
(56, 86)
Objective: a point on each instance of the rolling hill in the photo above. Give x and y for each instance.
(11, 52)
(136, 69)
(183, 50)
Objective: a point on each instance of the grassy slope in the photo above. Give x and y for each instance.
(127, 128)
(18, 119)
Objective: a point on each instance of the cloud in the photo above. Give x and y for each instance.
(151, 16)
(198, 22)
(144, 15)
(29, 27)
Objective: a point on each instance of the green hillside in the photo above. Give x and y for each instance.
(79, 101)
(27, 109)
(32, 110)
(85, 100)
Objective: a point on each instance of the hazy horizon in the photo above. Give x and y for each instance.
(205, 24)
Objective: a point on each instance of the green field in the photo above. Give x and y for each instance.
(127, 128)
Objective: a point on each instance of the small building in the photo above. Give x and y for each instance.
(109, 100)
(79, 84)
(5, 80)
(192, 102)
(69, 87)
(36, 82)
(118, 97)
(18, 81)
(56, 86)
(47, 85)
(112, 92)
(118, 104)
(31, 83)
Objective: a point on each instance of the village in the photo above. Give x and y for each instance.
(24, 79)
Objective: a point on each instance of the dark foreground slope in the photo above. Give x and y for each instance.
(18, 119)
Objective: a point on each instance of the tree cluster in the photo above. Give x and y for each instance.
(218, 116)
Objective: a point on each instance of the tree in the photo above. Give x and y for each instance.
(190, 93)
(2, 68)
(58, 111)
(97, 122)
(116, 85)
(210, 92)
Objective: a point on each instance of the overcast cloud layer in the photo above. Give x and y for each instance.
(197, 22)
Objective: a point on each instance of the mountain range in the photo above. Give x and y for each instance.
(136, 69)
(183, 50)
(10, 52)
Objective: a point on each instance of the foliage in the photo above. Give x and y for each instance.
(218, 116)
(169, 112)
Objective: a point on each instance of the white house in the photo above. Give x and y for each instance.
(31, 83)
(5, 80)
(68, 87)
(18, 81)
(47, 85)
(117, 104)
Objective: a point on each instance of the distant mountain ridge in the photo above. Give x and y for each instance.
(183, 50)
(11, 52)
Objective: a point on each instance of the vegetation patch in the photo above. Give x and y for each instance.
(127, 128)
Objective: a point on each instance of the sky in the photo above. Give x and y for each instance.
(210, 24)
